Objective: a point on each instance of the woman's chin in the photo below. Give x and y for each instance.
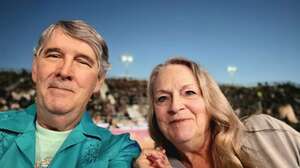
(182, 137)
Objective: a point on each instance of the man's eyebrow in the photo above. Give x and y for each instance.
(80, 55)
(48, 50)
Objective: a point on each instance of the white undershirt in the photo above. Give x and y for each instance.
(47, 144)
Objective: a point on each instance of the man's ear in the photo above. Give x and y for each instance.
(34, 69)
(99, 83)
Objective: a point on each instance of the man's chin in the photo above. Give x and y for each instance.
(59, 109)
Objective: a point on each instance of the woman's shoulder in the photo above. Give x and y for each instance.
(273, 141)
(263, 122)
(175, 163)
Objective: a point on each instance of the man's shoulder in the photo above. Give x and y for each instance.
(11, 114)
(113, 144)
(119, 141)
(113, 139)
(16, 120)
(122, 147)
(105, 134)
(112, 150)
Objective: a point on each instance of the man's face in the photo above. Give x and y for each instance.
(66, 74)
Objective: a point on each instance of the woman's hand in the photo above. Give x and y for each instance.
(152, 158)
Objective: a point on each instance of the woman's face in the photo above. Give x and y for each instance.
(179, 106)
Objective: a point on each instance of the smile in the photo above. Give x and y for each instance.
(178, 120)
(61, 86)
(62, 89)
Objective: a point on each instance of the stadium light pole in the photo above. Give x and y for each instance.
(126, 60)
(231, 71)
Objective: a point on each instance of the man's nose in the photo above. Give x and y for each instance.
(65, 70)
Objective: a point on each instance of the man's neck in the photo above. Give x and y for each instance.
(57, 122)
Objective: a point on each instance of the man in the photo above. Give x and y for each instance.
(69, 65)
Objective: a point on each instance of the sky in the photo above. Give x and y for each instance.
(259, 37)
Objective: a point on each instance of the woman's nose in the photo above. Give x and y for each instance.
(177, 104)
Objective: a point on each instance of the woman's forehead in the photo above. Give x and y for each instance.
(174, 75)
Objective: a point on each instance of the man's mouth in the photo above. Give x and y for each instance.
(60, 86)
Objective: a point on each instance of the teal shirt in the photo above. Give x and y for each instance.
(87, 145)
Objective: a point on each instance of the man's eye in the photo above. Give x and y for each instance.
(84, 62)
(52, 55)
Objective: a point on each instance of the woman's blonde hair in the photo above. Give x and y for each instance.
(226, 128)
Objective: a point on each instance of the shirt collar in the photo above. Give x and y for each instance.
(25, 120)
(19, 121)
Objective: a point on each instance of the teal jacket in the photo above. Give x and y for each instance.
(87, 145)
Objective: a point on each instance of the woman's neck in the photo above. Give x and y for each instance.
(197, 153)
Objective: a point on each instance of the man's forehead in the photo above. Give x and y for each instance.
(59, 33)
(59, 37)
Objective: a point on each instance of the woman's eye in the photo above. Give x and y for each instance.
(162, 99)
(190, 92)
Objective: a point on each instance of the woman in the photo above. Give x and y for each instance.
(193, 124)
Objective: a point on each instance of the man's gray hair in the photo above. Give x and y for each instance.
(80, 30)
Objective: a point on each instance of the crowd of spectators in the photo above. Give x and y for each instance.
(122, 102)
(16, 89)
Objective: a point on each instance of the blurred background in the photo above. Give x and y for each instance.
(251, 47)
